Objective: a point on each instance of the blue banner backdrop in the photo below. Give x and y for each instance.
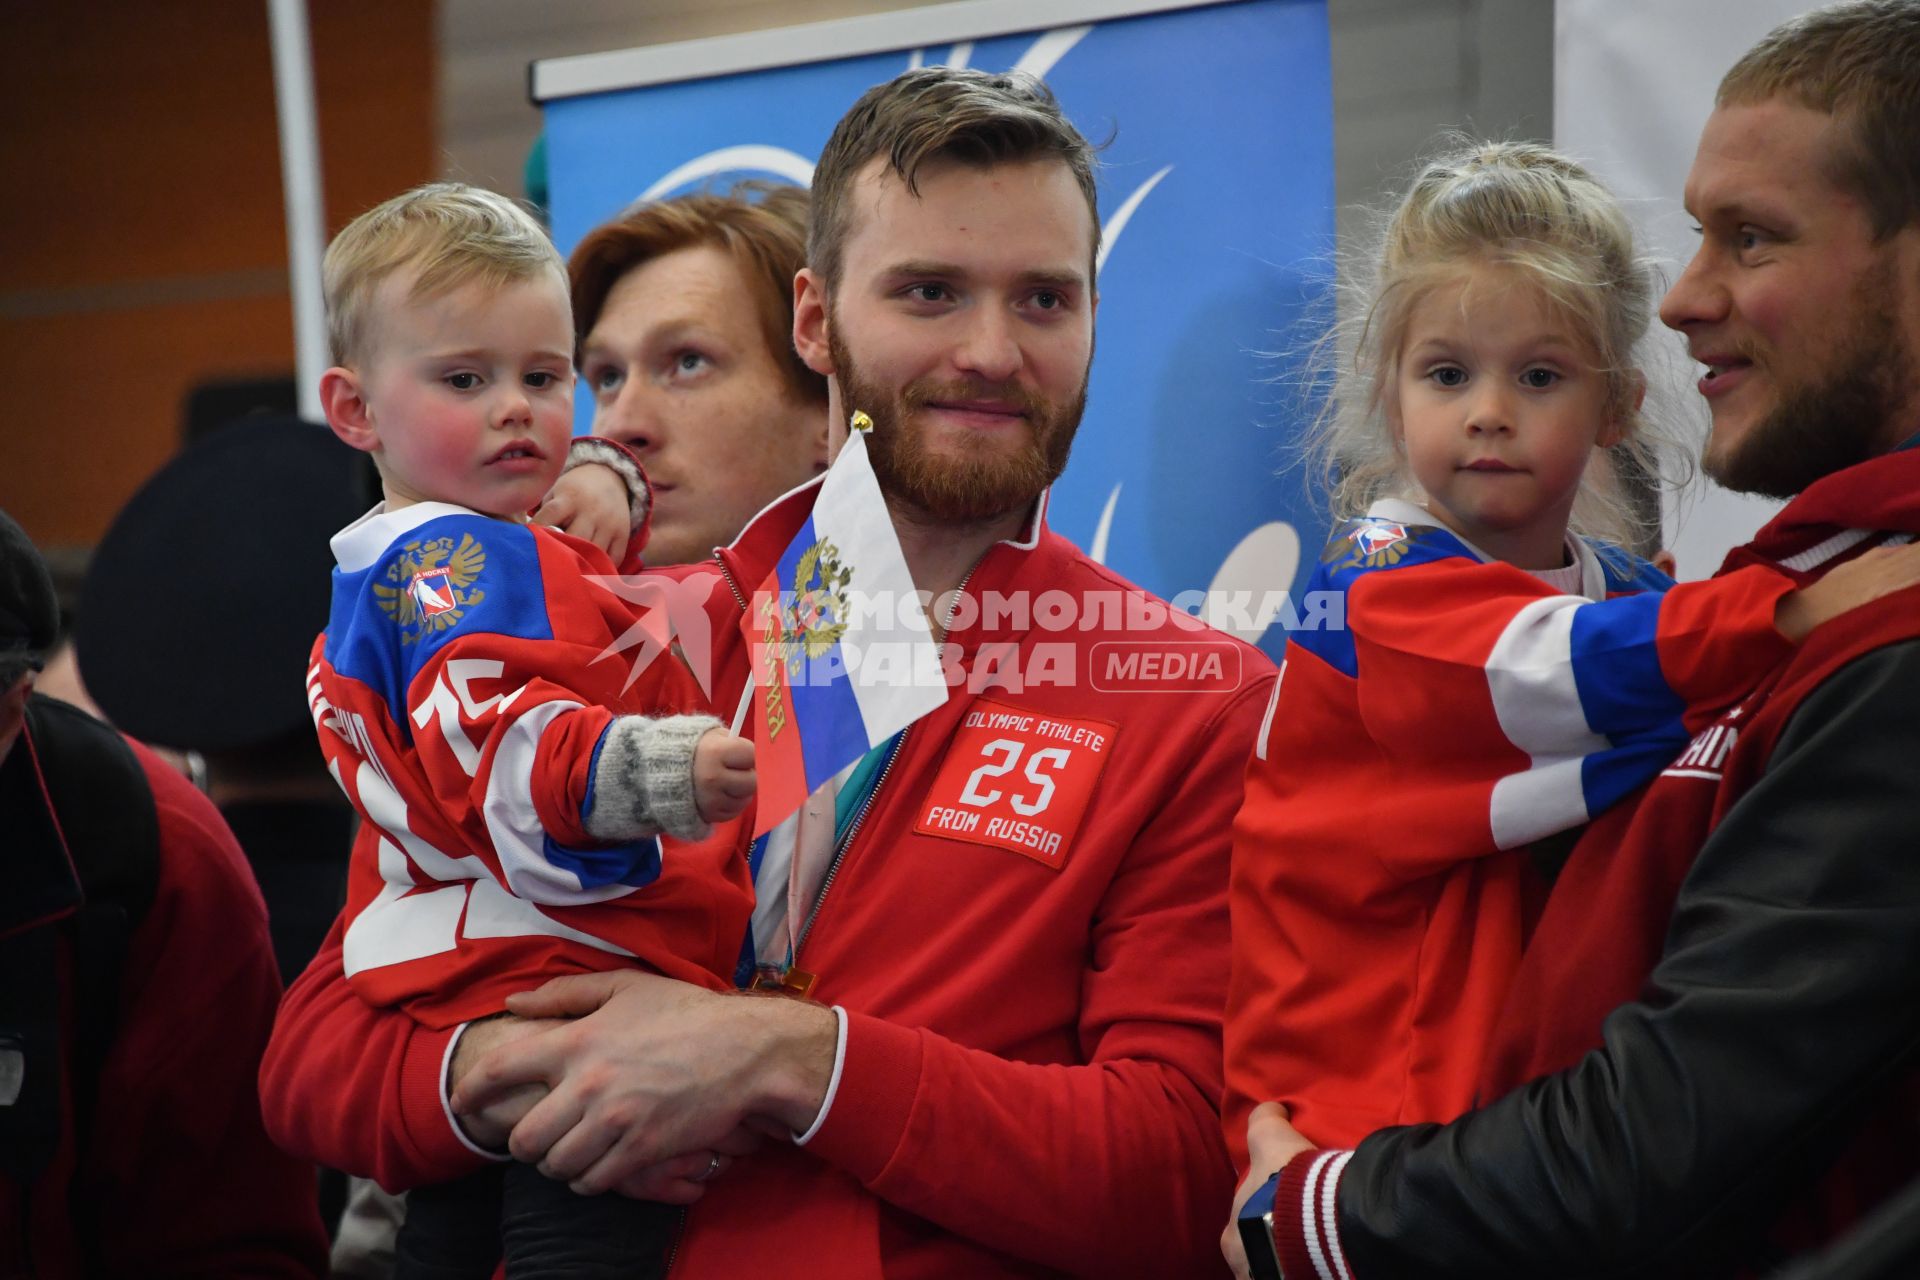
(1217, 203)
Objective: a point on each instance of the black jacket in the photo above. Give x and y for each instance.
(1785, 1005)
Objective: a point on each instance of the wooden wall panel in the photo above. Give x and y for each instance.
(110, 386)
(146, 235)
(144, 191)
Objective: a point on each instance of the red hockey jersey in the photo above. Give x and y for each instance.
(1454, 711)
(462, 690)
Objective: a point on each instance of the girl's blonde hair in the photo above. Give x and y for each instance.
(1529, 209)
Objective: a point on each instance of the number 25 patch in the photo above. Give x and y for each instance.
(1017, 780)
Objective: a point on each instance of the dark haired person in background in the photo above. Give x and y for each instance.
(137, 985)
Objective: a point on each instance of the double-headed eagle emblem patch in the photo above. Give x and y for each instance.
(816, 616)
(431, 581)
(1374, 543)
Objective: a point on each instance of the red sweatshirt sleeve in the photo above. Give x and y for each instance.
(1718, 636)
(180, 1158)
(357, 1088)
(991, 1149)
(1619, 667)
(1470, 676)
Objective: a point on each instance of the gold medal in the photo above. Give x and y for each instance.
(794, 982)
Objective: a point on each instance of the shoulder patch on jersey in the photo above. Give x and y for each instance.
(1357, 548)
(1375, 540)
(429, 585)
(449, 578)
(1372, 543)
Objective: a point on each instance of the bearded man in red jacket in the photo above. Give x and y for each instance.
(1006, 926)
(1712, 1044)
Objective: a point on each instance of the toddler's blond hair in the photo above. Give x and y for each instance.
(448, 233)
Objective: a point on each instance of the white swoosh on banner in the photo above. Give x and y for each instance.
(757, 157)
(1110, 233)
(1050, 48)
(1038, 59)
(1099, 551)
(1262, 566)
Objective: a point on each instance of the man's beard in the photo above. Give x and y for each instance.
(1826, 426)
(988, 478)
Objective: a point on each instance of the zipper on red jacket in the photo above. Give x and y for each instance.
(833, 868)
(673, 1250)
(732, 586)
(873, 792)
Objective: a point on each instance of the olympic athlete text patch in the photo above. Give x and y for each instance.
(1017, 780)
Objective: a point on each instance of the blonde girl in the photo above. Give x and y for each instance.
(1499, 679)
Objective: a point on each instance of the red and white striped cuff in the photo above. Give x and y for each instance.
(1306, 1233)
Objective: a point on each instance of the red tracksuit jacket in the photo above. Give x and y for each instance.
(1032, 1070)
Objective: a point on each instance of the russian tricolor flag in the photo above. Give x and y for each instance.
(843, 657)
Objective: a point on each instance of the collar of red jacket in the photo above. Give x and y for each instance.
(1882, 494)
(1032, 563)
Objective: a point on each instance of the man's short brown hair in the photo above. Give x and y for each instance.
(1860, 63)
(763, 226)
(939, 113)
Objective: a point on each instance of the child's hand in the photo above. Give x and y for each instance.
(722, 775)
(590, 502)
(1272, 1142)
(1880, 572)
